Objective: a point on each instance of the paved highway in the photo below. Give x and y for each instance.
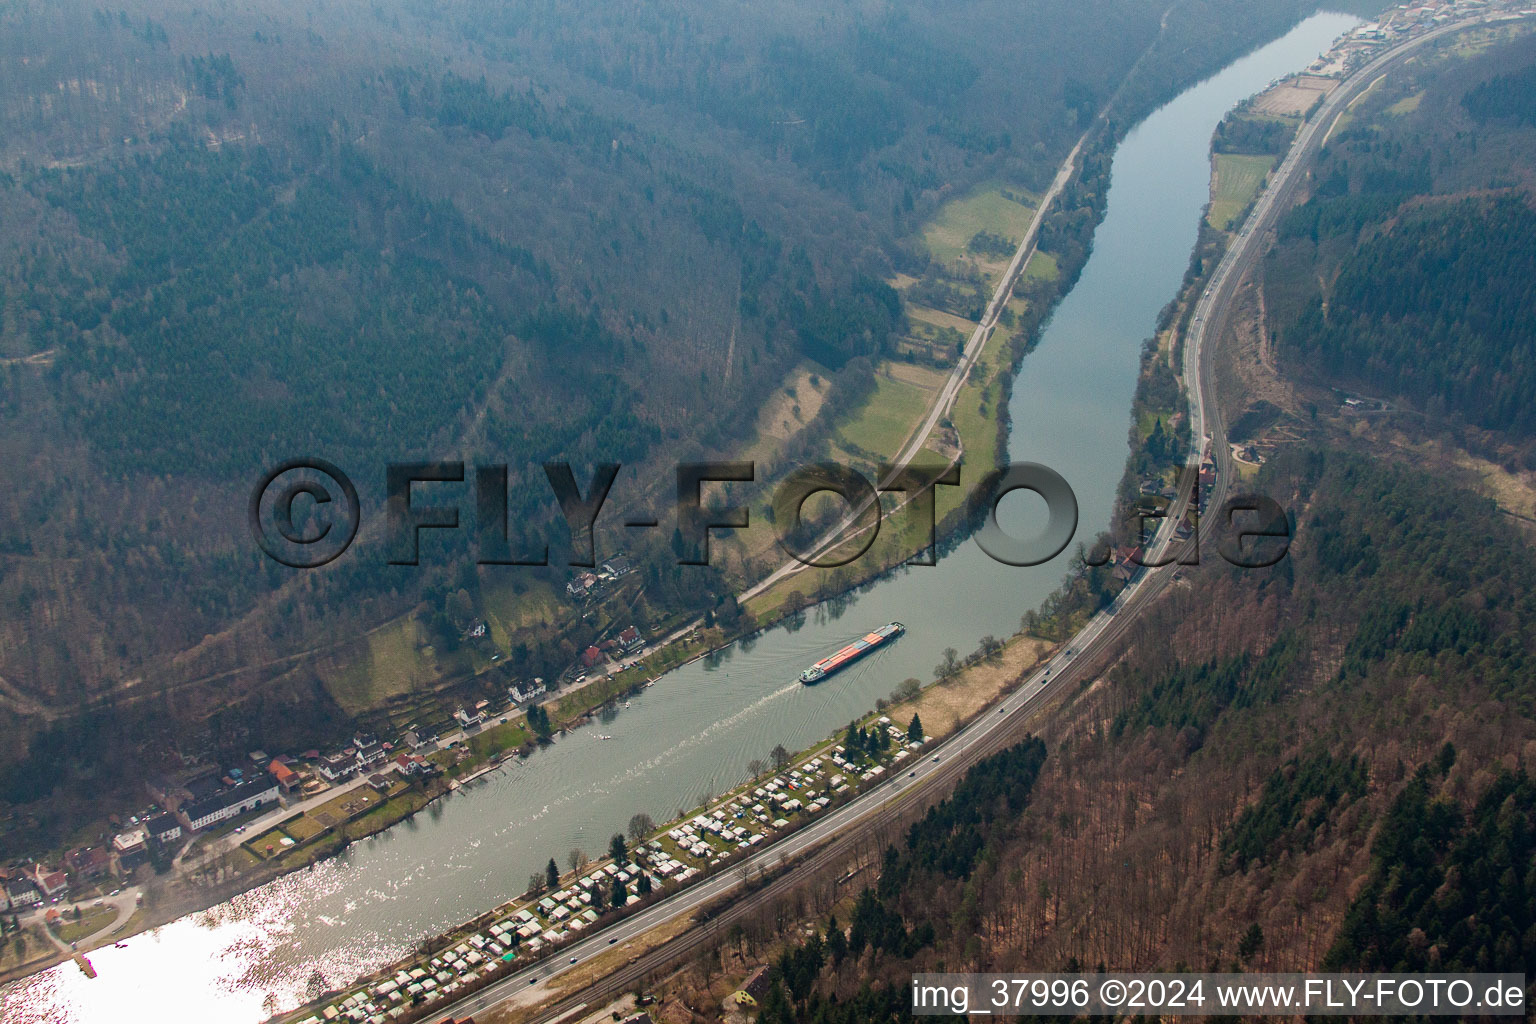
(1214, 306)
(1086, 654)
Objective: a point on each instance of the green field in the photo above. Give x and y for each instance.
(274, 838)
(302, 827)
(1238, 179)
(882, 423)
(391, 663)
(1041, 266)
(92, 919)
(975, 416)
(510, 610)
(888, 416)
(983, 209)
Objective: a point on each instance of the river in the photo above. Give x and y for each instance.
(694, 732)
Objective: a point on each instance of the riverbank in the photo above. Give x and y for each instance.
(1070, 410)
(705, 840)
(975, 432)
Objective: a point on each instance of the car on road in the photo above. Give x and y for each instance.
(533, 980)
(613, 940)
(911, 775)
(935, 758)
(1002, 711)
(574, 959)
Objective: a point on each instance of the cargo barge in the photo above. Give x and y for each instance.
(852, 653)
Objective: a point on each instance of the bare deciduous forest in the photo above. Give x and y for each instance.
(1321, 765)
(237, 234)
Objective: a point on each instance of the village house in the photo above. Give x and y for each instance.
(131, 850)
(523, 692)
(22, 892)
(88, 862)
(286, 778)
(370, 751)
(163, 828)
(51, 882)
(1127, 562)
(412, 765)
(335, 767)
(422, 740)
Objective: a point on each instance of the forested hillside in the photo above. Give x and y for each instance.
(1269, 780)
(1408, 273)
(1320, 765)
(506, 232)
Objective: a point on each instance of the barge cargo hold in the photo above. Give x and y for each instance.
(852, 653)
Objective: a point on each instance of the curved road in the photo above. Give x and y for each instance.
(830, 838)
(1213, 308)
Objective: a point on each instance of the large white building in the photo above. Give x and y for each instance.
(229, 803)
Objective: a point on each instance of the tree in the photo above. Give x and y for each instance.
(780, 757)
(535, 883)
(915, 730)
(837, 942)
(643, 886)
(552, 874)
(576, 860)
(1252, 942)
(617, 850)
(950, 665)
(908, 690)
(757, 766)
(461, 607)
(640, 826)
(620, 894)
